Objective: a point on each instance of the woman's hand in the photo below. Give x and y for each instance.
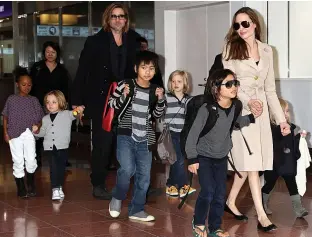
(193, 168)
(285, 128)
(303, 133)
(256, 107)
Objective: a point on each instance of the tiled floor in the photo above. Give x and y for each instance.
(82, 215)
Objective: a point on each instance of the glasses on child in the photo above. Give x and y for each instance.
(245, 24)
(229, 84)
(120, 17)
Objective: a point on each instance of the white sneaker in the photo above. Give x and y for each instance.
(56, 194)
(62, 195)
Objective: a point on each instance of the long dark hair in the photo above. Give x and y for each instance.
(236, 47)
(213, 85)
(54, 46)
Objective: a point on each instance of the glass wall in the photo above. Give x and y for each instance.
(78, 21)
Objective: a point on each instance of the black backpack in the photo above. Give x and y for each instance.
(191, 112)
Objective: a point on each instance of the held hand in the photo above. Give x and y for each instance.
(78, 110)
(193, 168)
(159, 93)
(126, 90)
(303, 133)
(285, 128)
(35, 129)
(256, 107)
(6, 138)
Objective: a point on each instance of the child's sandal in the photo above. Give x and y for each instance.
(196, 229)
(219, 233)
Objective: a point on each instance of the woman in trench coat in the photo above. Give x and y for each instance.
(252, 61)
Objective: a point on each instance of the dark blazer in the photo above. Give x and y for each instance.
(286, 151)
(217, 64)
(95, 71)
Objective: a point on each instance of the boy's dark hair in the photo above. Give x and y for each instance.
(19, 71)
(146, 57)
(214, 82)
(54, 46)
(142, 40)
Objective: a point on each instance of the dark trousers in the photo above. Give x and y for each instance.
(271, 176)
(177, 174)
(102, 151)
(57, 161)
(212, 180)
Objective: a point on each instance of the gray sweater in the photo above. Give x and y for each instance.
(217, 142)
(57, 132)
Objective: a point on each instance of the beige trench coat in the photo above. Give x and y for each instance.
(257, 82)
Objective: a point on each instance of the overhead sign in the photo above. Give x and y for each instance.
(5, 9)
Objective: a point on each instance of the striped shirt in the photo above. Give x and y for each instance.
(139, 113)
(118, 101)
(175, 112)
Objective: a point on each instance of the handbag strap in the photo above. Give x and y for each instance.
(107, 97)
(177, 112)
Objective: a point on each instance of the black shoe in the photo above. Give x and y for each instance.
(21, 190)
(31, 185)
(266, 228)
(68, 164)
(237, 217)
(100, 192)
(154, 192)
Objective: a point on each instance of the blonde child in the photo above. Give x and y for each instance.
(20, 113)
(177, 98)
(286, 154)
(56, 130)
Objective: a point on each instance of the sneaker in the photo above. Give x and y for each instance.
(62, 195)
(56, 194)
(142, 216)
(184, 189)
(172, 191)
(114, 207)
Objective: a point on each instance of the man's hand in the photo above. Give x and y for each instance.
(193, 168)
(285, 128)
(159, 93)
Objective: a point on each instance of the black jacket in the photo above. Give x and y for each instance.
(95, 71)
(286, 151)
(217, 64)
(45, 81)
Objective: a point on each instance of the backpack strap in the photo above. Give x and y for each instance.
(211, 120)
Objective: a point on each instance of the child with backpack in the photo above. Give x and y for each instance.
(136, 101)
(21, 111)
(207, 146)
(286, 153)
(178, 85)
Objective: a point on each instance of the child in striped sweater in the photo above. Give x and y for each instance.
(177, 98)
(137, 100)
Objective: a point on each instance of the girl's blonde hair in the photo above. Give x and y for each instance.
(185, 77)
(59, 97)
(284, 105)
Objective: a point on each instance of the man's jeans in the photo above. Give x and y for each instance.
(212, 180)
(134, 159)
